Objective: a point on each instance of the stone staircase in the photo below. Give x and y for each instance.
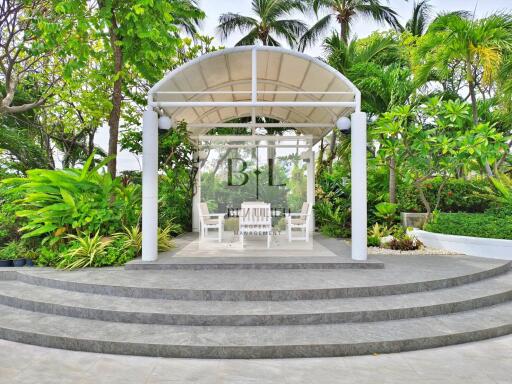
(270, 313)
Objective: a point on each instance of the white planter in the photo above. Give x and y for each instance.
(473, 246)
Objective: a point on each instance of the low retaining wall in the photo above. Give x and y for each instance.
(473, 246)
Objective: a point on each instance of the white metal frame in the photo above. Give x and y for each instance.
(358, 133)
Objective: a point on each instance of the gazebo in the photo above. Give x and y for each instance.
(258, 83)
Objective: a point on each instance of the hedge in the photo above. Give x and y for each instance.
(458, 195)
(495, 225)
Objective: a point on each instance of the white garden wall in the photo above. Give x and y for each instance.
(473, 246)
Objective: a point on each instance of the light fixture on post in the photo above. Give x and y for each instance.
(165, 122)
(343, 124)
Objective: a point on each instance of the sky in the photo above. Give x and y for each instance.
(361, 28)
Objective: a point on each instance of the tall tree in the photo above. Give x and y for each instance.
(418, 23)
(269, 25)
(344, 12)
(477, 45)
(18, 61)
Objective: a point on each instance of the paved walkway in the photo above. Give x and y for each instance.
(483, 362)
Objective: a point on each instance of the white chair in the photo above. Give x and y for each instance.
(255, 219)
(209, 220)
(299, 221)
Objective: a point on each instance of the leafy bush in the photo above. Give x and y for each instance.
(373, 241)
(165, 242)
(13, 250)
(379, 231)
(9, 222)
(95, 251)
(458, 195)
(334, 221)
(492, 224)
(57, 203)
(387, 212)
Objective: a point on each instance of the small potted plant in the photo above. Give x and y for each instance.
(30, 257)
(5, 259)
(13, 253)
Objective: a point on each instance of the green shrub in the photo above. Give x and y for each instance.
(9, 222)
(494, 224)
(334, 220)
(458, 195)
(13, 250)
(58, 203)
(373, 241)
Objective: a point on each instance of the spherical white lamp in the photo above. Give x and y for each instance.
(343, 124)
(165, 122)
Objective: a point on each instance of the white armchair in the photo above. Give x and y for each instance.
(209, 220)
(299, 221)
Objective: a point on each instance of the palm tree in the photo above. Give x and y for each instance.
(417, 24)
(479, 45)
(344, 12)
(355, 59)
(268, 26)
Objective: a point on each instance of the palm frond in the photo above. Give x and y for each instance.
(231, 22)
(312, 35)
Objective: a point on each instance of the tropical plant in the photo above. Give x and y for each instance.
(165, 241)
(13, 250)
(418, 23)
(334, 220)
(131, 238)
(268, 27)
(86, 251)
(387, 212)
(478, 45)
(502, 192)
(56, 203)
(379, 231)
(344, 12)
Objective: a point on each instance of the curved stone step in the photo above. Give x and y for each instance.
(254, 342)
(216, 313)
(258, 262)
(270, 285)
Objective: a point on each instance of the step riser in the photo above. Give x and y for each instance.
(261, 295)
(255, 266)
(250, 352)
(254, 320)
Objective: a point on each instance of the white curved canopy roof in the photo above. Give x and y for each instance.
(271, 82)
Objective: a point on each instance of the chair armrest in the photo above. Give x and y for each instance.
(297, 214)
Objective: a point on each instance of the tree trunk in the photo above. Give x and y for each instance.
(115, 113)
(392, 180)
(474, 108)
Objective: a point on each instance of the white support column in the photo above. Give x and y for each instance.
(150, 185)
(358, 178)
(254, 84)
(311, 187)
(196, 199)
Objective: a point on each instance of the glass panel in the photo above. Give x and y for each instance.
(263, 171)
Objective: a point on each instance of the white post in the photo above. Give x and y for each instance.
(150, 185)
(358, 178)
(196, 199)
(311, 188)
